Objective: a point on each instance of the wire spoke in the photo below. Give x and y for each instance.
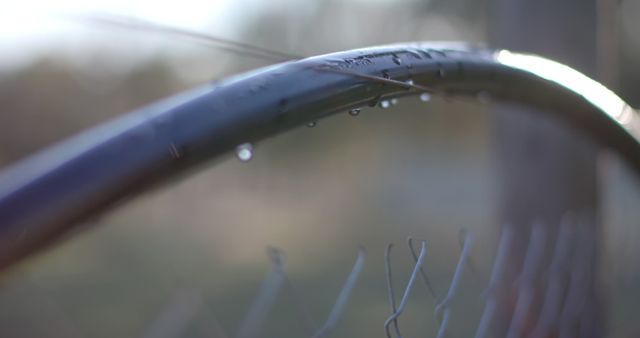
(222, 43)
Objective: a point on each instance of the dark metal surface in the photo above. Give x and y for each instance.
(50, 194)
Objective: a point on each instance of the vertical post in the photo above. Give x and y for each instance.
(547, 169)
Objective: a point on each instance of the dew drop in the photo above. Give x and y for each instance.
(393, 101)
(425, 97)
(410, 82)
(397, 60)
(354, 112)
(244, 152)
(384, 104)
(311, 124)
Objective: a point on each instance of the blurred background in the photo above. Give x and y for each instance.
(198, 247)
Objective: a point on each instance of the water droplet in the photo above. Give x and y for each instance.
(354, 112)
(410, 82)
(425, 97)
(384, 104)
(397, 60)
(311, 124)
(244, 152)
(393, 101)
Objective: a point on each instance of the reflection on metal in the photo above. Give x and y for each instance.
(596, 93)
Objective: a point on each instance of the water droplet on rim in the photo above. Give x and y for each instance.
(424, 97)
(384, 104)
(244, 152)
(410, 82)
(354, 112)
(394, 101)
(311, 124)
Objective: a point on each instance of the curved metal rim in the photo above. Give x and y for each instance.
(46, 196)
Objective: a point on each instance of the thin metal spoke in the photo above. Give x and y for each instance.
(378, 79)
(222, 43)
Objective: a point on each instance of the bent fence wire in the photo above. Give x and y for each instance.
(566, 274)
(548, 295)
(173, 320)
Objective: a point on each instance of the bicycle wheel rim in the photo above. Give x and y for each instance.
(48, 195)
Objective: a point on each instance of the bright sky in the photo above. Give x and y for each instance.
(29, 27)
(26, 17)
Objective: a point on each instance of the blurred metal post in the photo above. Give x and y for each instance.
(546, 168)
